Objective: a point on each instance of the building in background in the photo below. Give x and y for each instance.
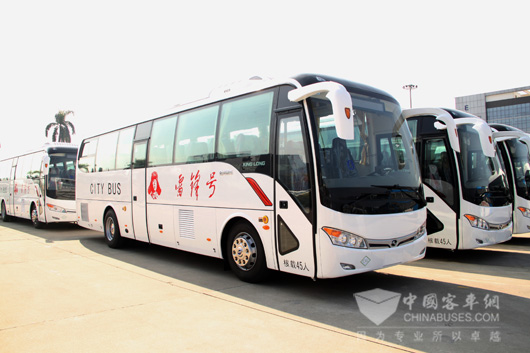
(510, 107)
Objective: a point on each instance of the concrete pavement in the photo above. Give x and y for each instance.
(59, 295)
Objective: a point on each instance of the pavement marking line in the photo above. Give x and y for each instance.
(504, 249)
(512, 286)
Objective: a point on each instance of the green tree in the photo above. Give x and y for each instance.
(61, 127)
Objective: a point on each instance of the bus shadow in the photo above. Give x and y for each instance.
(52, 232)
(499, 260)
(331, 302)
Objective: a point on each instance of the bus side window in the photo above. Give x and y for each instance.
(124, 150)
(87, 157)
(293, 167)
(162, 141)
(437, 170)
(139, 154)
(244, 132)
(196, 135)
(106, 152)
(36, 164)
(245, 125)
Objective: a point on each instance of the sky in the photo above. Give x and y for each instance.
(114, 63)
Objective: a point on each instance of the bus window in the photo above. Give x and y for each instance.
(124, 150)
(162, 140)
(5, 169)
(36, 164)
(140, 149)
(244, 133)
(88, 156)
(196, 135)
(61, 177)
(245, 125)
(106, 153)
(413, 126)
(293, 167)
(437, 169)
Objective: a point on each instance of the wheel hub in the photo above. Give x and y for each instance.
(109, 229)
(244, 251)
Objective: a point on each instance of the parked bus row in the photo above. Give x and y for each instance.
(40, 185)
(312, 175)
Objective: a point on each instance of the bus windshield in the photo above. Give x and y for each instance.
(521, 167)
(484, 182)
(61, 176)
(375, 173)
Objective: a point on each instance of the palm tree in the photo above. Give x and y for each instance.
(62, 127)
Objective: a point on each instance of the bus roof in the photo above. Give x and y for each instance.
(255, 84)
(49, 147)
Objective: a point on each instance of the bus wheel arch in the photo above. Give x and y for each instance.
(243, 250)
(111, 229)
(34, 216)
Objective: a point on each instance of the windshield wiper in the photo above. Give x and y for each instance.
(404, 189)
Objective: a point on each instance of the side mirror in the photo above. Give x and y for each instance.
(341, 104)
(45, 164)
(484, 132)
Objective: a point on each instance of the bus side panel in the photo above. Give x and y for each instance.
(196, 230)
(183, 202)
(447, 237)
(25, 195)
(97, 191)
(160, 225)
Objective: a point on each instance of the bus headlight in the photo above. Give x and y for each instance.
(343, 238)
(55, 208)
(477, 222)
(524, 211)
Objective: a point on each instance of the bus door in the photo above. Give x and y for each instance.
(439, 174)
(293, 197)
(138, 185)
(13, 190)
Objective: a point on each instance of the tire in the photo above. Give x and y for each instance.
(112, 230)
(5, 216)
(245, 254)
(34, 216)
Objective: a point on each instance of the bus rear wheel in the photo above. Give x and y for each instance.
(35, 217)
(245, 253)
(112, 230)
(5, 216)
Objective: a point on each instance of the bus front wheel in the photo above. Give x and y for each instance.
(5, 216)
(112, 230)
(245, 253)
(35, 217)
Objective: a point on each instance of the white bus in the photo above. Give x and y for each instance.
(466, 188)
(40, 185)
(514, 146)
(257, 175)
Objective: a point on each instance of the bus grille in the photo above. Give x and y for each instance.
(186, 224)
(84, 212)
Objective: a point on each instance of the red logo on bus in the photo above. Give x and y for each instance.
(154, 186)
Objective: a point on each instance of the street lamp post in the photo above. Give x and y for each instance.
(410, 88)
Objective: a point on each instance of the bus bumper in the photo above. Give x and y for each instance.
(337, 261)
(68, 216)
(477, 237)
